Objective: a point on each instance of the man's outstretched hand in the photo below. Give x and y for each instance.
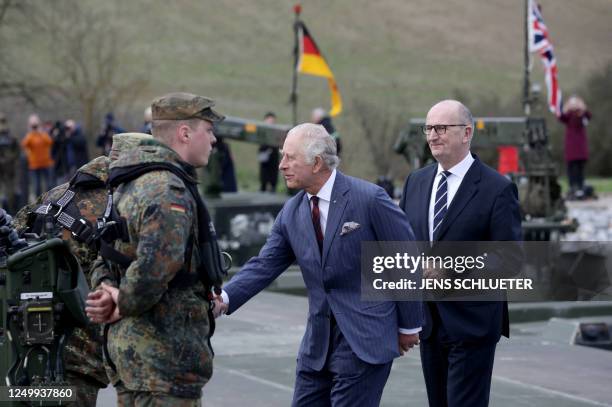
(220, 307)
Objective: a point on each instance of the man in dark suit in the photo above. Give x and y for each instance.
(459, 199)
(349, 345)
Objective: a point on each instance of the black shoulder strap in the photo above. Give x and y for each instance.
(86, 181)
(65, 213)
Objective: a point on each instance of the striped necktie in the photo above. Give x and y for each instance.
(440, 206)
(316, 221)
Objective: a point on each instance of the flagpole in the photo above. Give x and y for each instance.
(297, 9)
(526, 95)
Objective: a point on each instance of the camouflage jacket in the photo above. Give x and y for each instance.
(83, 353)
(161, 343)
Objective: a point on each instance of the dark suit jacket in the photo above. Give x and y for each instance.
(333, 279)
(485, 208)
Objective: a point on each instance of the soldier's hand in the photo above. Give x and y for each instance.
(100, 306)
(115, 316)
(407, 342)
(114, 293)
(220, 307)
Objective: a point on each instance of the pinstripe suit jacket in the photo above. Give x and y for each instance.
(333, 279)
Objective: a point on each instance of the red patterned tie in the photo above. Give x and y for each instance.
(316, 221)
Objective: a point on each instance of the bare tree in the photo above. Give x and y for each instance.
(83, 65)
(14, 83)
(89, 60)
(381, 128)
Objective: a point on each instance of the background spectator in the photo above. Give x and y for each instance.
(61, 152)
(228, 174)
(37, 146)
(78, 142)
(105, 139)
(320, 116)
(9, 157)
(576, 117)
(268, 161)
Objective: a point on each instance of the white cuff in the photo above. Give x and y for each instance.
(410, 331)
(224, 297)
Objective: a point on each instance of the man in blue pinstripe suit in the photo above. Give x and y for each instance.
(349, 345)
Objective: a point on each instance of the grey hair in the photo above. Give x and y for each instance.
(466, 115)
(317, 142)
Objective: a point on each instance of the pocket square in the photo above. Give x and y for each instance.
(348, 227)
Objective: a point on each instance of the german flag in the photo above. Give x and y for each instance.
(311, 62)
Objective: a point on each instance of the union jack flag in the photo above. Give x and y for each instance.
(539, 41)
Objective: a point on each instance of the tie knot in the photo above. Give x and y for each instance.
(315, 200)
(445, 174)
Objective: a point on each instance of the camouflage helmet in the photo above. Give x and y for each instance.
(126, 141)
(184, 106)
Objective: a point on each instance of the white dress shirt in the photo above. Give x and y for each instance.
(324, 195)
(453, 181)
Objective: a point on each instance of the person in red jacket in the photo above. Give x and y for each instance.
(37, 146)
(576, 117)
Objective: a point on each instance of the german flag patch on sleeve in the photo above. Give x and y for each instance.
(177, 208)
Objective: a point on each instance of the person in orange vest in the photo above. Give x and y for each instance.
(37, 146)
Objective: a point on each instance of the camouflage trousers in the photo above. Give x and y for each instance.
(86, 389)
(129, 398)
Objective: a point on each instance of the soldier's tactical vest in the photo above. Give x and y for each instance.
(112, 226)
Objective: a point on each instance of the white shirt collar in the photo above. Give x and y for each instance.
(326, 190)
(461, 168)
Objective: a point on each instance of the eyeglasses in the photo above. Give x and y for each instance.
(440, 129)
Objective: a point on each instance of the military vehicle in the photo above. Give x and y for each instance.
(243, 220)
(42, 299)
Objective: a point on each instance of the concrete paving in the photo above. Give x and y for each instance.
(256, 350)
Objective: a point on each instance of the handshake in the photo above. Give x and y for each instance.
(102, 305)
(219, 306)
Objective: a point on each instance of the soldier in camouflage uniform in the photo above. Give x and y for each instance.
(9, 159)
(83, 352)
(158, 343)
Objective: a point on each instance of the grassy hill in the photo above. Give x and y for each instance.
(398, 55)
